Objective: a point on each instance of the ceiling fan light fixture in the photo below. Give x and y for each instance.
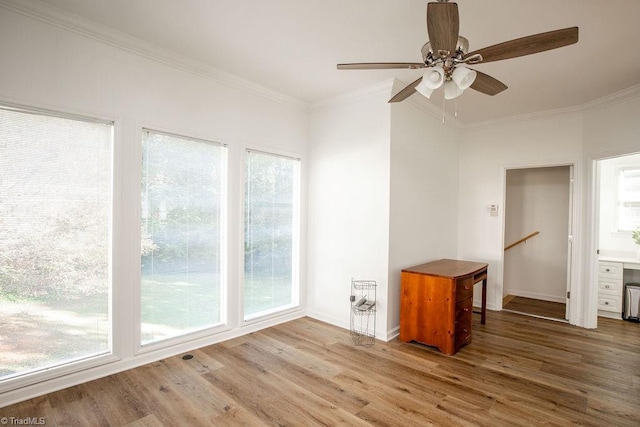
(451, 90)
(463, 77)
(423, 90)
(433, 78)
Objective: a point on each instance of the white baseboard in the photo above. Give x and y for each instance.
(393, 333)
(535, 295)
(341, 323)
(609, 314)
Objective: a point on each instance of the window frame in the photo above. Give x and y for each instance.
(295, 304)
(618, 203)
(223, 324)
(81, 364)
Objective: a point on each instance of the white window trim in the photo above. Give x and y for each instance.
(81, 364)
(296, 305)
(211, 330)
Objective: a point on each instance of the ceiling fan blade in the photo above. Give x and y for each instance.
(528, 45)
(486, 84)
(381, 65)
(406, 92)
(443, 26)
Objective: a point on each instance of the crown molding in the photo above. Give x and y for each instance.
(599, 103)
(382, 88)
(539, 115)
(54, 16)
(619, 97)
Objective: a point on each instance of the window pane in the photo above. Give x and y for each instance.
(55, 210)
(628, 199)
(271, 237)
(182, 234)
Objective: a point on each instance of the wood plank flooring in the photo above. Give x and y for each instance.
(517, 371)
(536, 307)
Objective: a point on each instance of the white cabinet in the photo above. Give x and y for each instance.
(610, 289)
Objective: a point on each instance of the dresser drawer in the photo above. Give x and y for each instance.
(610, 270)
(463, 329)
(610, 303)
(464, 307)
(609, 287)
(464, 289)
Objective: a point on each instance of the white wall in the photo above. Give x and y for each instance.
(485, 155)
(47, 65)
(348, 203)
(424, 195)
(537, 199)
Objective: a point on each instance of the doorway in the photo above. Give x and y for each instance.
(537, 237)
(618, 214)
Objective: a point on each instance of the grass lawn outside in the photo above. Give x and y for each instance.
(36, 334)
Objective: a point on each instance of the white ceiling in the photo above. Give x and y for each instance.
(293, 46)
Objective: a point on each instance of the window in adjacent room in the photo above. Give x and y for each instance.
(183, 234)
(628, 198)
(55, 246)
(271, 249)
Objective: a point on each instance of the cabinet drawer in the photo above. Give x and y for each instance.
(609, 287)
(610, 303)
(464, 289)
(464, 307)
(463, 329)
(610, 270)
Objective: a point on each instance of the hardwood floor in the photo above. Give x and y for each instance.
(517, 370)
(536, 307)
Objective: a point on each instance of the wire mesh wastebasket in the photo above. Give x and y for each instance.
(363, 312)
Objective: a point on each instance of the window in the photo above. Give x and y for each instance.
(628, 198)
(270, 233)
(183, 234)
(55, 218)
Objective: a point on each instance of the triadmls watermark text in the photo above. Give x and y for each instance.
(23, 421)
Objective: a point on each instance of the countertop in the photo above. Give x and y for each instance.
(623, 257)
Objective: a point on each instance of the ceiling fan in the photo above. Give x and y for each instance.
(446, 55)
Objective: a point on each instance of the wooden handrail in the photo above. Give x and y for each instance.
(524, 239)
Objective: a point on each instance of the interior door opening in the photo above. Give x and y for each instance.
(617, 216)
(538, 241)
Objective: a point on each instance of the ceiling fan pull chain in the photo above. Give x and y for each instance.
(443, 121)
(455, 108)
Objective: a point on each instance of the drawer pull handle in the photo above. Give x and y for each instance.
(607, 286)
(607, 270)
(466, 309)
(606, 303)
(466, 288)
(465, 330)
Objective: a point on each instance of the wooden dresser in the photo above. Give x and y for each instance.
(437, 301)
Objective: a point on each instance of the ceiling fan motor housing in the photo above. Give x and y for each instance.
(429, 56)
